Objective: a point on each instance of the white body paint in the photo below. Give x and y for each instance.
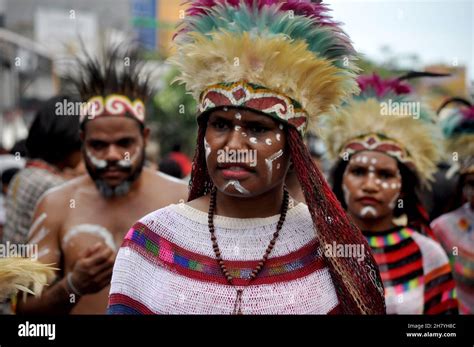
(278, 136)
(40, 236)
(36, 223)
(92, 229)
(268, 142)
(253, 140)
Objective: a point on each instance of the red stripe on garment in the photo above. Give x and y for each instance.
(121, 299)
(276, 261)
(401, 271)
(443, 306)
(439, 289)
(315, 265)
(392, 257)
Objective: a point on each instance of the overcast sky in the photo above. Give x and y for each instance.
(439, 31)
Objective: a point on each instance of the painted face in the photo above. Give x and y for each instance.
(245, 152)
(114, 153)
(371, 185)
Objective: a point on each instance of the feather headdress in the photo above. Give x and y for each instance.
(385, 118)
(287, 59)
(458, 131)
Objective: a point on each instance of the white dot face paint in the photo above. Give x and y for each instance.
(368, 210)
(371, 168)
(268, 142)
(393, 186)
(238, 187)
(269, 162)
(225, 109)
(278, 166)
(278, 136)
(93, 229)
(98, 163)
(237, 127)
(364, 159)
(385, 185)
(238, 116)
(373, 161)
(378, 181)
(253, 140)
(244, 134)
(281, 127)
(207, 148)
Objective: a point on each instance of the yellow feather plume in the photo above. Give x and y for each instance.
(422, 139)
(267, 61)
(23, 274)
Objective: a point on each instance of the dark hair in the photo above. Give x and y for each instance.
(119, 70)
(170, 167)
(410, 185)
(8, 174)
(53, 137)
(19, 147)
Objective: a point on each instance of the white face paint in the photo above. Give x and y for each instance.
(98, 163)
(238, 116)
(269, 162)
(238, 187)
(207, 148)
(278, 136)
(281, 126)
(268, 142)
(129, 162)
(253, 140)
(237, 127)
(92, 229)
(385, 185)
(364, 159)
(347, 193)
(278, 166)
(368, 210)
(244, 134)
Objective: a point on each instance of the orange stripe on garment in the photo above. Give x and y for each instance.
(437, 273)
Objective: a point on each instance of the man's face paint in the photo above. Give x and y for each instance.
(371, 185)
(114, 153)
(245, 152)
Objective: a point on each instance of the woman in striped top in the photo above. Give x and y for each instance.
(382, 160)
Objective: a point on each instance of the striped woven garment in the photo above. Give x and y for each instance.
(415, 272)
(166, 265)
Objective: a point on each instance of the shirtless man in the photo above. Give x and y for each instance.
(80, 225)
